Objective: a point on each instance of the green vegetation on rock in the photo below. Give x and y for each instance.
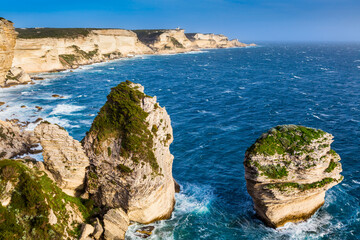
(176, 42)
(53, 32)
(87, 55)
(302, 187)
(149, 36)
(69, 59)
(122, 117)
(271, 171)
(124, 169)
(284, 139)
(34, 196)
(331, 167)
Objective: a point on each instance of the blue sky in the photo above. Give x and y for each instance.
(256, 20)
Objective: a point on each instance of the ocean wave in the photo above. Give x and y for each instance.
(315, 116)
(195, 52)
(194, 199)
(66, 109)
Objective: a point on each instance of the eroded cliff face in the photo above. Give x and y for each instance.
(214, 41)
(167, 41)
(14, 141)
(63, 157)
(128, 148)
(7, 44)
(57, 53)
(288, 170)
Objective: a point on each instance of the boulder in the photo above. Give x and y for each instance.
(98, 230)
(116, 223)
(128, 148)
(63, 157)
(52, 217)
(87, 230)
(16, 76)
(288, 170)
(14, 140)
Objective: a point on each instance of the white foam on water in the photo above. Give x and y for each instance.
(227, 91)
(315, 116)
(195, 52)
(61, 122)
(297, 77)
(66, 109)
(193, 199)
(206, 112)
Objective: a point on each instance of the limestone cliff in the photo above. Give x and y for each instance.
(7, 44)
(288, 170)
(63, 157)
(214, 41)
(128, 148)
(166, 41)
(42, 50)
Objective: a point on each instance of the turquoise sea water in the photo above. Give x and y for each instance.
(220, 101)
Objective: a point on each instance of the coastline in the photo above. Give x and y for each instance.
(79, 67)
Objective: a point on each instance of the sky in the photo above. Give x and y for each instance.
(247, 20)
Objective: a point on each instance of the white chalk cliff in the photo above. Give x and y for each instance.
(7, 43)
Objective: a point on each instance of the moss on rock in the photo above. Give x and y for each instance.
(302, 187)
(34, 196)
(123, 118)
(284, 139)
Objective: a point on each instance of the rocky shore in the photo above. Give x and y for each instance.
(35, 50)
(287, 172)
(120, 173)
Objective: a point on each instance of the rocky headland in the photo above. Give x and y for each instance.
(288, 171)
(120, 173)
(26, 51)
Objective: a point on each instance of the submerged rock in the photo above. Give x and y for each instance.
(128, 148)
(288, 170)
(63, 156)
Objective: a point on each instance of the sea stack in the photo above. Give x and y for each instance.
(130, 161)
(288, 170)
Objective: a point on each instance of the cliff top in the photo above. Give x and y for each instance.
(284, 139)
(149, 35)
(1, 19)
(29, 33)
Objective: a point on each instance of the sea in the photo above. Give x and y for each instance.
(220, 101)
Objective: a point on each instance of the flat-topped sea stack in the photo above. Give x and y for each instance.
(288, 170)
